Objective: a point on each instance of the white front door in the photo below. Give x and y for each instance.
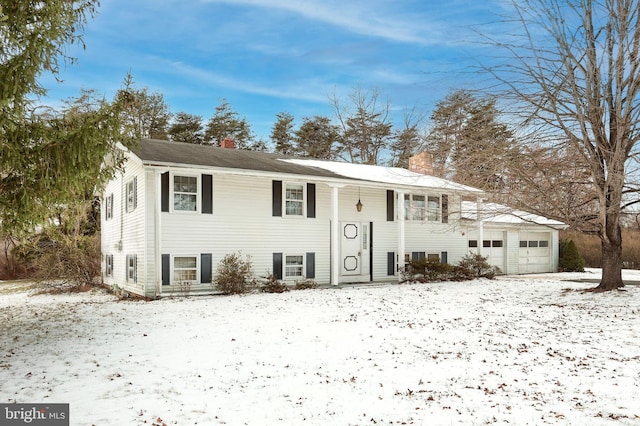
(350, 248)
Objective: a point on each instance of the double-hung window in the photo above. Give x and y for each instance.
(294, 265)
(414, 207)
(419, 207)
(433, 208)
(108, 265)
(132, 268)
(294, 199)
(131, 194)
(108, 207)
(185, 193)
(185, 269)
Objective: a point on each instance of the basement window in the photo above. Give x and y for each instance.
(132, 268)
(108, 265)
(294, 265)
(185, 269)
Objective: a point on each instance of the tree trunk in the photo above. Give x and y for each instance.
(611, 255)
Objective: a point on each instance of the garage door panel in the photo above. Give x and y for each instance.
(534, 253)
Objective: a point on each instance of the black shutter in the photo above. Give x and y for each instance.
(205, 268)
(277, 197)
(277, 265)
(445, 210)
(135, 193)
(207, 200)
(443, 257)
(390, 205)
(166, 269)
(311, 265)
(164, 197)
(391, 263)
(311, 200)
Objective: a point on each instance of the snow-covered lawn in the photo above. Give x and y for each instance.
(516, 350)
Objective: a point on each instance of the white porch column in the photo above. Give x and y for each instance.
(480, 226)
(335, 237)
(401, 231)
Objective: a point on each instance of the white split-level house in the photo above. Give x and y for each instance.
(177, 209)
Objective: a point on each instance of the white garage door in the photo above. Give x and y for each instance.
(535, 252)
(493, 247)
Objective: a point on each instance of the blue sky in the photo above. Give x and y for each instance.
(270, 56)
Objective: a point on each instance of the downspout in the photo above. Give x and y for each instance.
(401, 231)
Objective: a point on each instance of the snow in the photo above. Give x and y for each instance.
(498, 213)
(515, 350)
(393, 175)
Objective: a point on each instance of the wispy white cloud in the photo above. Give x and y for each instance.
(369, 18)
(310, 90)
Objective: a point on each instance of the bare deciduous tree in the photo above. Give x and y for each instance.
(576, 77)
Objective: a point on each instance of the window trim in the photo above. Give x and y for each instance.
(108, 208)
(303, 201)
(108, 265)
(131, 195)
(172, 192)
(132, 269)
(416, 213)
(302, 266)
(430, 211)
(196, 280)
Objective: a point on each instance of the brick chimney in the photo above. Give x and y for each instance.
(228, 143)
(421, 163)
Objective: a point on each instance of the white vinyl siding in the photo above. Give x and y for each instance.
(125, 233)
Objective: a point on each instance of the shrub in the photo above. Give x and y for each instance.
(304, 284)
(58, 259)
(570, 259)
(273, 285)
(234, 275)
(426, 270)
(478, 266)
(461, 273)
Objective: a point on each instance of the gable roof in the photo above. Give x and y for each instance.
(159, 152)
(155, 151)
(392, 175)
(498, 213)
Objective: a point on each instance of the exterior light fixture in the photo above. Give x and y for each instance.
(359, 203)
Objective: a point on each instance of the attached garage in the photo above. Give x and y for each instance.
(493, 246)
(517, 242)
